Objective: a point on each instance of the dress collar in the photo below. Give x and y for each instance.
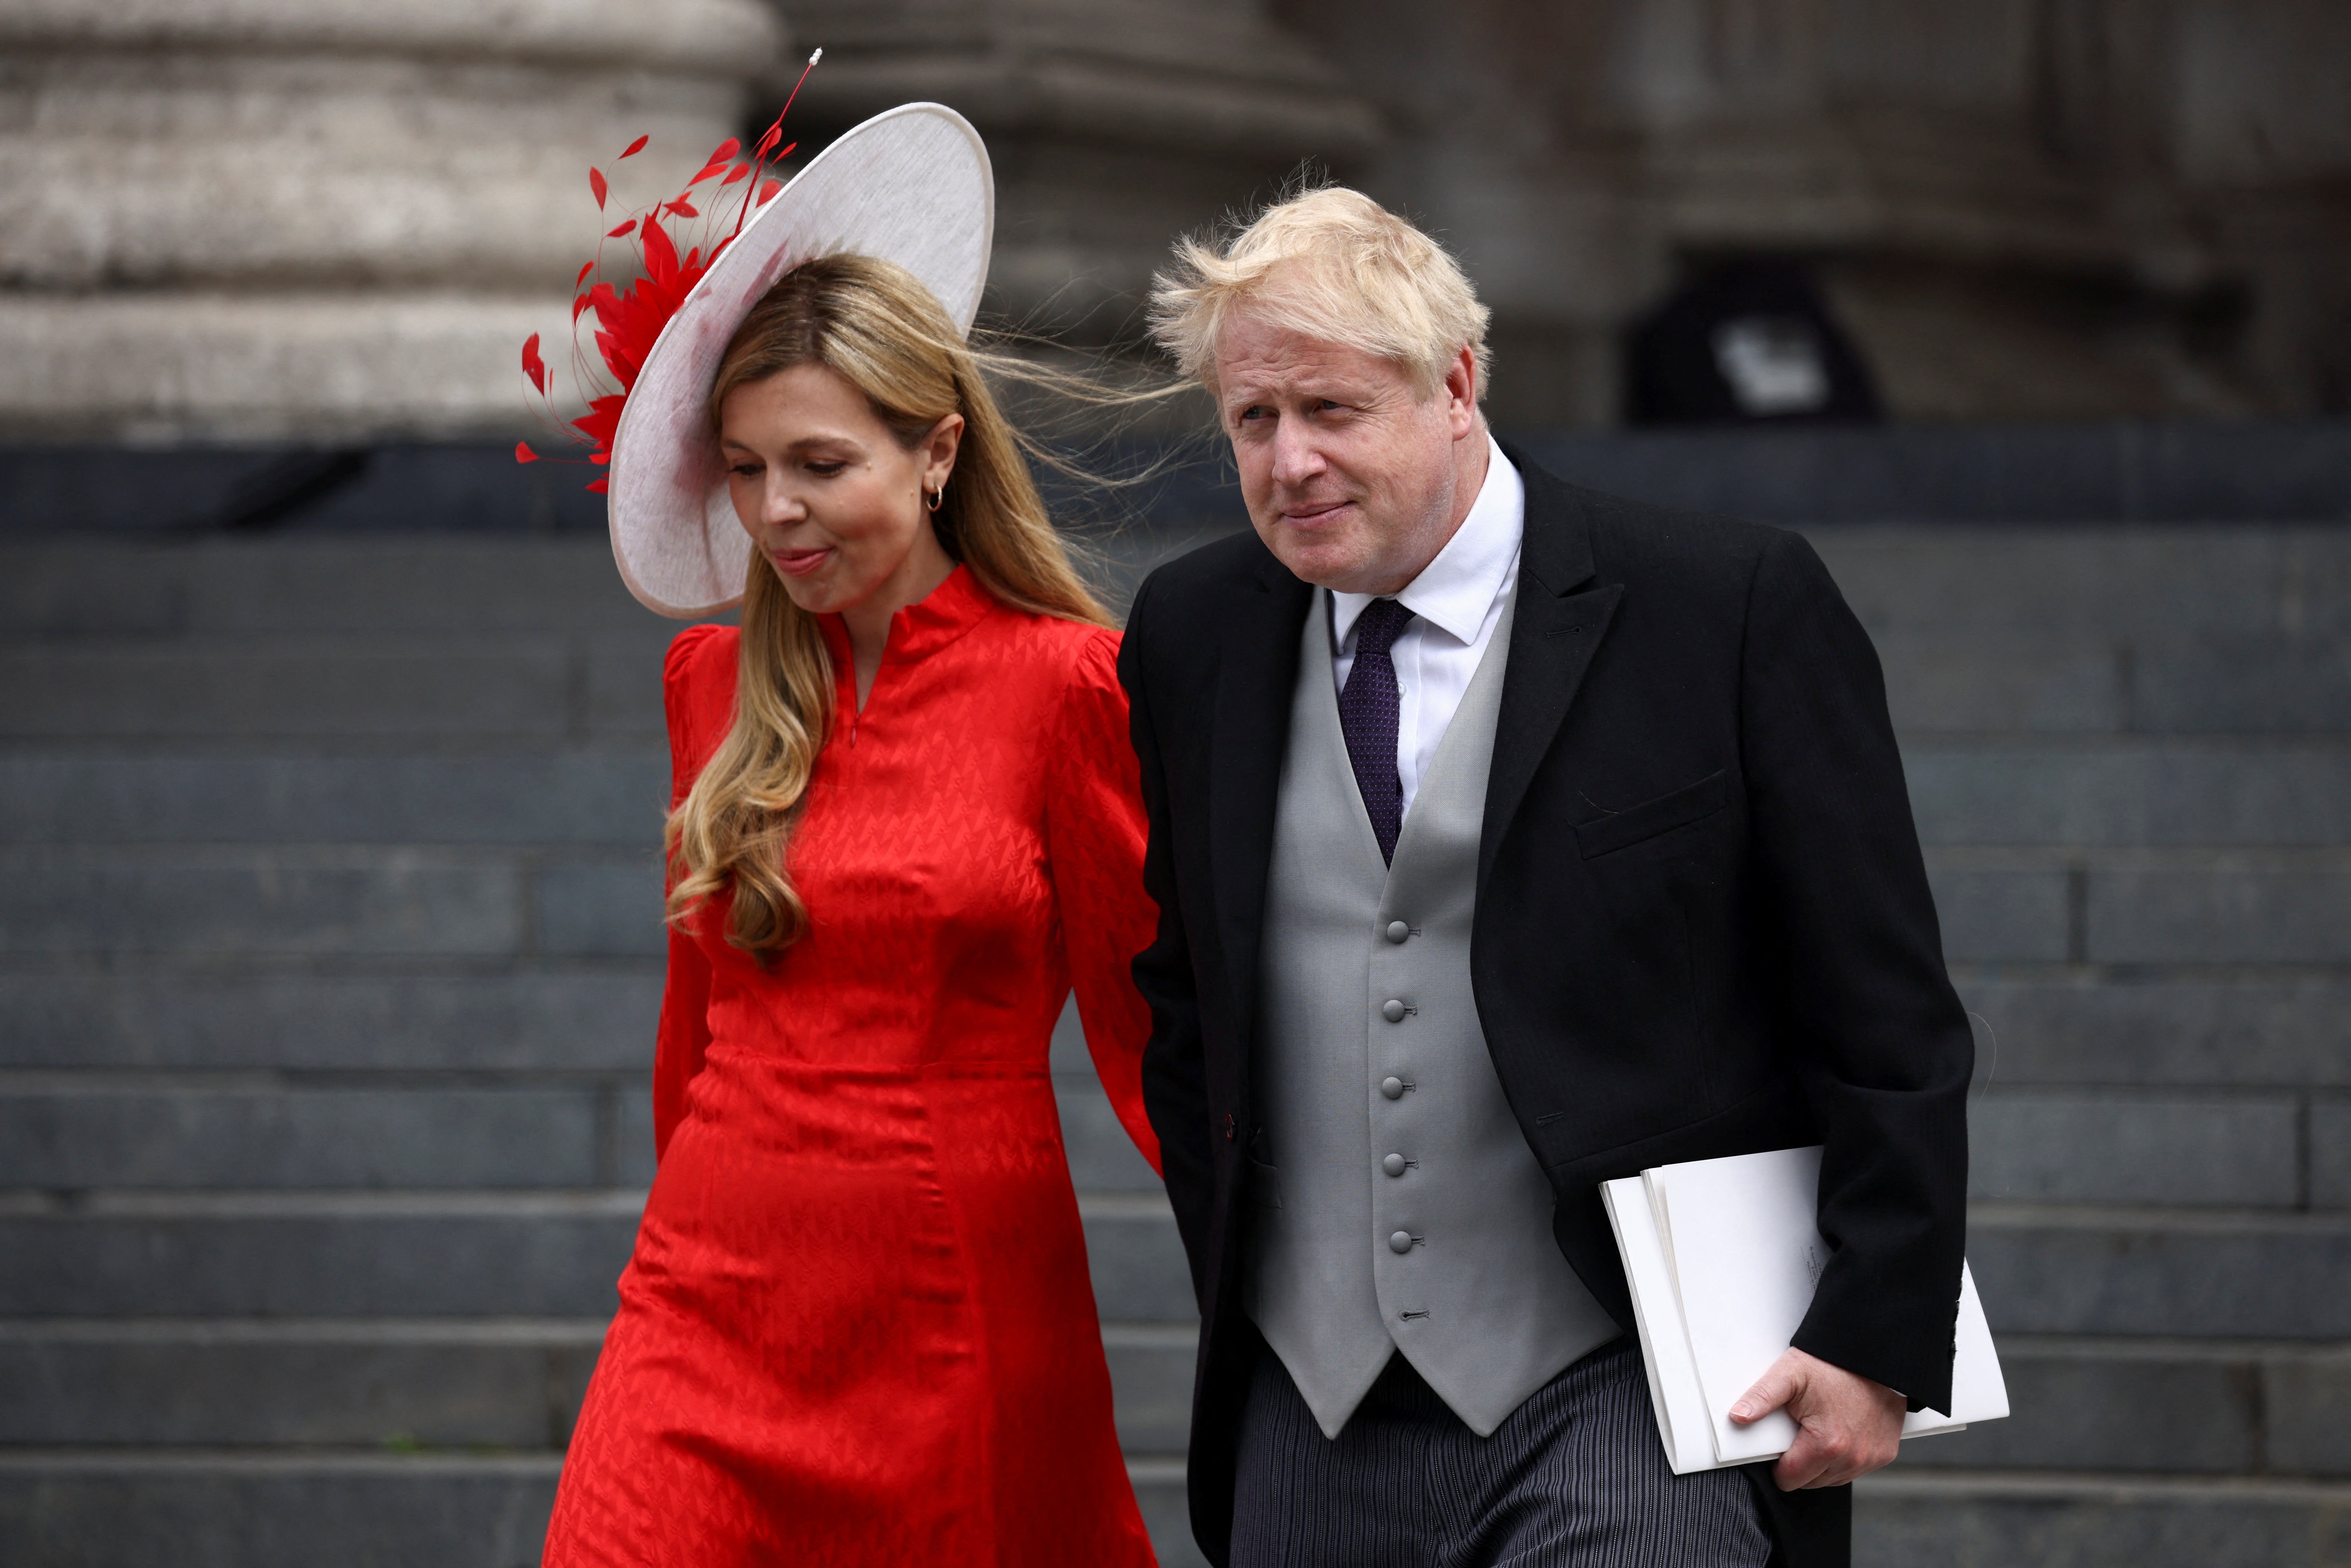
(922, 628)
(1455, 590)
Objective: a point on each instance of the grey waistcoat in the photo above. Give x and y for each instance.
(1451, 1261)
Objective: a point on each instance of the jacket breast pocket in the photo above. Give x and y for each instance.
(1635, 824)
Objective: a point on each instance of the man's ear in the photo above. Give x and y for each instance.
(1461, 390)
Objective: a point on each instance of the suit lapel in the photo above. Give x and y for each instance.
(1560, 620)
(1257, 675)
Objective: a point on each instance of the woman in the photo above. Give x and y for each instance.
(857, 1326)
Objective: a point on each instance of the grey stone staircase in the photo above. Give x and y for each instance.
(2129, 750)
(329, 958)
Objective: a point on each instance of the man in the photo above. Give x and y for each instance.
(1507, 839)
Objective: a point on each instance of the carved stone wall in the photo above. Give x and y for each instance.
(1114, 125)
(263, 218)
(2022, 208)
(322, 218)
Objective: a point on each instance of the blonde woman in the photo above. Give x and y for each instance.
(857, 1326)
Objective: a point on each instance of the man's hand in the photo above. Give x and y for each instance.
(1846, 1425)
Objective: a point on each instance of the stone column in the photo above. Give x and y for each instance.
(1504, 143)
(1956, 171)
(324, 219)
(2255, 121)
(1114, 125)
(2022, 208)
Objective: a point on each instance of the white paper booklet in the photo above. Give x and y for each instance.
(1722, 1256)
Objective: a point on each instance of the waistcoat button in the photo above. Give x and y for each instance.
(1392, 1087)
(1398, 931)
(1394, 1164)
(1400, 1241)
(1392, 1011)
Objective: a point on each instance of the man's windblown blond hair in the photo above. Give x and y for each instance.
(1330, 263)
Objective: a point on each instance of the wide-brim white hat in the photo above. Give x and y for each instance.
(912, 185)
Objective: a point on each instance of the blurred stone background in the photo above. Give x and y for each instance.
(330, 762)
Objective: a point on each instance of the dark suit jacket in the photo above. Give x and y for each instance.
(1703, 925)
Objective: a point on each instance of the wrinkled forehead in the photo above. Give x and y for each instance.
(1266, 350)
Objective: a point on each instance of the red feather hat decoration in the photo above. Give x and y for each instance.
(630, 318)
(911, 186)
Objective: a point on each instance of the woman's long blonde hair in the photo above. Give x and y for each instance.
(872, 323)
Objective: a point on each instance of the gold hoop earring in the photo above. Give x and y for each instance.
(931, 498)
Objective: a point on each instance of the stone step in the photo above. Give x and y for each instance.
(2242, 473)
(2094, 793)
(224, 901)
(596, 1018)
(1994, 1518)
(2045, 1268)
(422, 1254)
(193, 1509)
(262, 641)
(225, 1510)
(464, 488)
(303, 1254)
(611, 796)
(2042, 1269)
(2082, 1025)
(1103, 1159)
(1991, 680)
(85, 1131)
(443, 687)
(212, 1509)
(2143, 1147)
(2149, 585)
(82, 1131)
(424, 584)
(2033, 1143)
(2129, 792)
(2207, 1407)
(2199, 907)
(1159, 1492)
(1151, 1367)
(174, 1133)
(418, 584)
(1954, 473)
(228, 901)
(2203, 1406)
(2068, 1026)
(2146, 583)
(2056, 1026)
(506, 1383)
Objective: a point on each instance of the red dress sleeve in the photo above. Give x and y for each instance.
(1094, 835)
(685, 1031)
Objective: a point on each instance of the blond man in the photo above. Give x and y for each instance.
(1507, 839)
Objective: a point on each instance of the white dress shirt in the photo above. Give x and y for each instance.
(1456, 601)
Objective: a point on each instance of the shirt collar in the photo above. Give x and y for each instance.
(1455, 590)
(922, 628)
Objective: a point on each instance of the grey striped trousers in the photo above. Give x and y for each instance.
(1574, 1479)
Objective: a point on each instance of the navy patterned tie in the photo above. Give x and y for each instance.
(1367, 715)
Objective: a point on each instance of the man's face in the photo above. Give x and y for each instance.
(1353, 479)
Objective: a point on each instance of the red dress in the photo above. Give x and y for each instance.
(858, 1327)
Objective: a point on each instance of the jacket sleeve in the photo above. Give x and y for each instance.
(1879, 1039)
(1175, 1068)
(683, 1033)
(1094, 840)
